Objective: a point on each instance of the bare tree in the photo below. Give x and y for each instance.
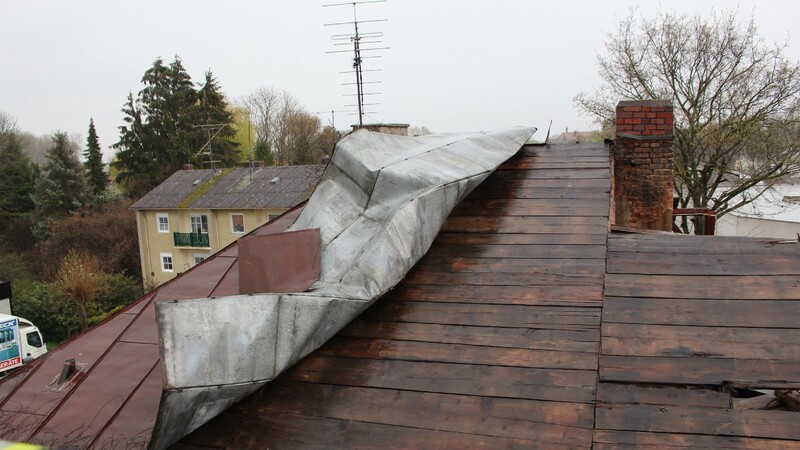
(281, 123)
(7, 124)
(735, 98)
(302, 132)
(418, 131)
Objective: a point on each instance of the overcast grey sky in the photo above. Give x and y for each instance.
(454, 65)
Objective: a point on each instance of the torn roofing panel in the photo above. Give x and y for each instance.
(378, 207)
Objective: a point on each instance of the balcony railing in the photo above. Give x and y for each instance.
(190, 239)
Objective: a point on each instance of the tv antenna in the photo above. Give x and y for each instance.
(205, 150)
(361, 42)
(333, 116)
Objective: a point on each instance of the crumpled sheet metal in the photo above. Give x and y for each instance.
(379, 206)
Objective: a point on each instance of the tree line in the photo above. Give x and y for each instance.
(67, 238)
(173, 121)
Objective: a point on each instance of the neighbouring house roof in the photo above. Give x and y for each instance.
(781, 203)
(525, 325)
(237, 188)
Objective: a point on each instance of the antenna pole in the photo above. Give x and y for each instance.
(361, 42)
(357, 67)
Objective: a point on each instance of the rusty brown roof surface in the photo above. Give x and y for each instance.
(113, 401)
(265, 187)
(528, 326)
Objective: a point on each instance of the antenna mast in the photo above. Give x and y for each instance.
(216, 128)
(333, 116)
(361, 43)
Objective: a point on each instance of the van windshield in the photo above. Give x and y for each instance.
(34, 339)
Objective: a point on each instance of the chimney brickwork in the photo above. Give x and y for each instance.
(642, 161)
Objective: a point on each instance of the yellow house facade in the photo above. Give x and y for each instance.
(195, 213)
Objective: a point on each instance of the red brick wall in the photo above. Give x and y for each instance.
(643, 165)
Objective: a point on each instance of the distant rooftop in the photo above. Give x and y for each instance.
(245, 188)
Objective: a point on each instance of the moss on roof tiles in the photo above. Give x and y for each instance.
(203, 188)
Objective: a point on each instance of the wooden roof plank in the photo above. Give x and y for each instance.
(702, 286)
(702, 312)
(494, 295)
(647, 340)
(550, 422)
(609, 439)
(467, 379)
(694, 420)
(697, 370)
(615, 393)
(528, 338)
(473, 354)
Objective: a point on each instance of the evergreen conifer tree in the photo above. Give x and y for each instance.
(61, 189)
(264, 153)
(95, 177)
(160, 133)
(16, 179)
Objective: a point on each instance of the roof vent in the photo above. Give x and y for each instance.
(196, 182)
(67, 371)
(275, 180)
(69, 374)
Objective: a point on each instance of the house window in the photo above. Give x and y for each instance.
(163, 222)
(199, 223)
(166, 262)
(198, 258)
(237, 223)
(272, 217)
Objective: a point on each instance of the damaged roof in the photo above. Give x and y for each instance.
(236, 188)
(525, 325)
(528, 325)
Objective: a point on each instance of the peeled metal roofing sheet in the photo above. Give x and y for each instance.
(379, 205)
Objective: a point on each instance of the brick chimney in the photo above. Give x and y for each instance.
(188, 167)
(642, 162)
